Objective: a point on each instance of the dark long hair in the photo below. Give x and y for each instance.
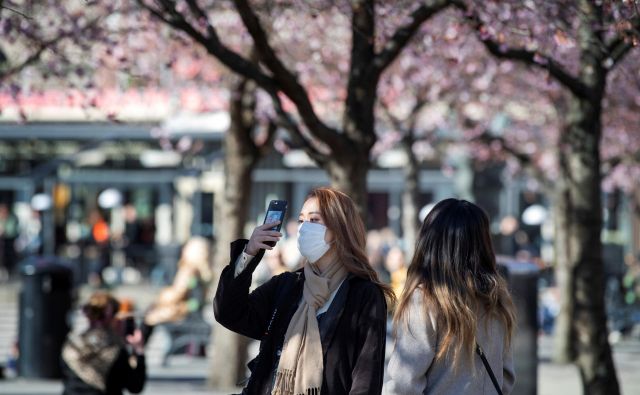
(454, 266)
(342, 218)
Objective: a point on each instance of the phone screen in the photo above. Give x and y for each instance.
(273, 216)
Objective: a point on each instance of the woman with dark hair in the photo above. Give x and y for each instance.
(454, 305)
(322, 328)
(97, 361)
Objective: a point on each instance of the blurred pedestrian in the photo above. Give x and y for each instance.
(395, 264)
(99, 248)
(376, 254)
(455, 305)
(187, 292)
(323, 327)
(8, 234)
(98, 362)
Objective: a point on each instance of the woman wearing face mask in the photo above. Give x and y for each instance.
(323, 327)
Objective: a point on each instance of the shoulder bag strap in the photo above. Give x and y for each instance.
(488, 367)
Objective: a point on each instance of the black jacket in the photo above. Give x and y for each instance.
(353, 330)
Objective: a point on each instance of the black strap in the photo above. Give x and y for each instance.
(488, 367)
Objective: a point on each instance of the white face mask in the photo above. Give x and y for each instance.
(311, 242)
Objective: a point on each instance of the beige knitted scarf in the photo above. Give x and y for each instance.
(301, 363)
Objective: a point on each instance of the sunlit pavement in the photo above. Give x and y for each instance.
(556, 379)
(187, 375)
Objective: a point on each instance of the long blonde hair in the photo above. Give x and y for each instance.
(454, 267)
(342, 218)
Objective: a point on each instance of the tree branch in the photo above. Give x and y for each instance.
(11, 9)
(415, 111)
(401, 37)
(408, 125)
(394, 120)
(296, 134)
(531, 58)
(619, 46)
(522, 158)
(33, 58)
(234, 61)
(286, 80)
(362, 42)
(41, 48)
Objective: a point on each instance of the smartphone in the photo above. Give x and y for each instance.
(129, 326)
(275, 212)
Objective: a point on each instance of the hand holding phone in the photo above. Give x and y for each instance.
(266, 235)
(275, 213)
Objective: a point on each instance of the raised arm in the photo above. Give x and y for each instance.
(234, 306)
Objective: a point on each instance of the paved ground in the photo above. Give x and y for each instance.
(554, 379)
(187, 375)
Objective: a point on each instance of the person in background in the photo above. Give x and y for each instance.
(454, 305)
(376, 254)
(99, 248)
(9, 228)
(395, 265)
(98, 362)
(322, 328)
(186, 293)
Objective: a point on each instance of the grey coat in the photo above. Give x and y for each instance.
(413, 370)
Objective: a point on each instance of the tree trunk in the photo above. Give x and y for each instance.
(562, 350)
(348, 173)
(229, 350)
(410, 198)
(634, 207)
(229, 354)
(582, 160)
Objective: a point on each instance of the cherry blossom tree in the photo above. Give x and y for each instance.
(342, 150)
